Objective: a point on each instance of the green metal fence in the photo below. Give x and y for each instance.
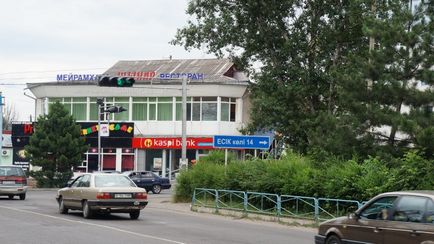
(274, 204)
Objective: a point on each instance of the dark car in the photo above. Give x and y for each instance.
(393, 217)
(149, 180)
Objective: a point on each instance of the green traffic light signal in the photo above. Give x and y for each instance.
(120, 81)
(125, 81)
(116, 81)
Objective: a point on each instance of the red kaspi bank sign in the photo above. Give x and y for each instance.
(173, 143)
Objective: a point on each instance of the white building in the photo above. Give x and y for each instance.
(217, 104)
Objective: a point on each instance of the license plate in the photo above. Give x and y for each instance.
(122, 195)
(8, 182)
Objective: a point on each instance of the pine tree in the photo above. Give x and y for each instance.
(55, 146)
(396, 107)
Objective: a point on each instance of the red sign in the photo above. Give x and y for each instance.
(173, 143)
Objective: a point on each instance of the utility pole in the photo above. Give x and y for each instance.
(99, 102)
(1, 121)
(184, 162)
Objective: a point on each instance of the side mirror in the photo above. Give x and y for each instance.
(353, 216)
(68, 184)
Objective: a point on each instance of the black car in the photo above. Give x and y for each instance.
(149, 180)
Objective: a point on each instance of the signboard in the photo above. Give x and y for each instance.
(6, 140)
(116, 129)
(76, 77)
(242, 142)
(172, 143)
(157, 163)
(19, 158)
(21, 134)
(104, 130)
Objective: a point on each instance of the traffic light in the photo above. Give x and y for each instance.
(116, 81)
(115, 109)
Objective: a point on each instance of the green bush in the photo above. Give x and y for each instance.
(374, 178)
(299, 175)
(413, 173)
(202, 175)
(217, 157)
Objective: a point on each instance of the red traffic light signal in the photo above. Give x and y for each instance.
(116, 81)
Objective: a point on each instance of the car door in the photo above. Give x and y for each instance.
(368, 226)
(136, 178)
(84, 189)
(147, 180)
(410, 221)
(77, 194)
(68, 193)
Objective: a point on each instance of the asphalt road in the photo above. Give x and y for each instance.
(37, 221)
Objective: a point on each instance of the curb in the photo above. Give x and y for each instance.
(307, 223)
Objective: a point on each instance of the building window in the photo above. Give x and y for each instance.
(196, 109)
(76, 106)
(164, 108)
(140, 108)
(125, 103)
(209, 109)
(179, 108)
(228, 109)
(152, 108)
(79, 108)
(93, 109)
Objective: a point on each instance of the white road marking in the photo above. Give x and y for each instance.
(92, 224)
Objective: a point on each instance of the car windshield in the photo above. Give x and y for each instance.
(11, 171)
(113, 181)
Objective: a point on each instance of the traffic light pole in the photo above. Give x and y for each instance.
(1, 122)
(99, 137)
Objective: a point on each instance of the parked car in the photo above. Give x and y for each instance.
(394, 217)
(102, 192)
(13, 182)
(149, 180)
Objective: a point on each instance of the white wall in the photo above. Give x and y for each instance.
(157, 128)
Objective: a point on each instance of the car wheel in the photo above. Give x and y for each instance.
(156, 189)
(62, 208)
(333, 239)
(23, 196)
(11, 197)
(135, 214)
(87, 212)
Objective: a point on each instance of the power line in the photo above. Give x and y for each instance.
(46, 71)
(12, 84)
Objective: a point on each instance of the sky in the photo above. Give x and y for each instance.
(42, 38)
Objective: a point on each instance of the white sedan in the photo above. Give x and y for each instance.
(102, 192)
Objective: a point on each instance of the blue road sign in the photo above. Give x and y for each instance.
(242, 142)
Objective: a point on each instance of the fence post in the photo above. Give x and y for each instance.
(279, 206)
(216, 199)
(193, 200)
(245, 201)
(316, 209)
